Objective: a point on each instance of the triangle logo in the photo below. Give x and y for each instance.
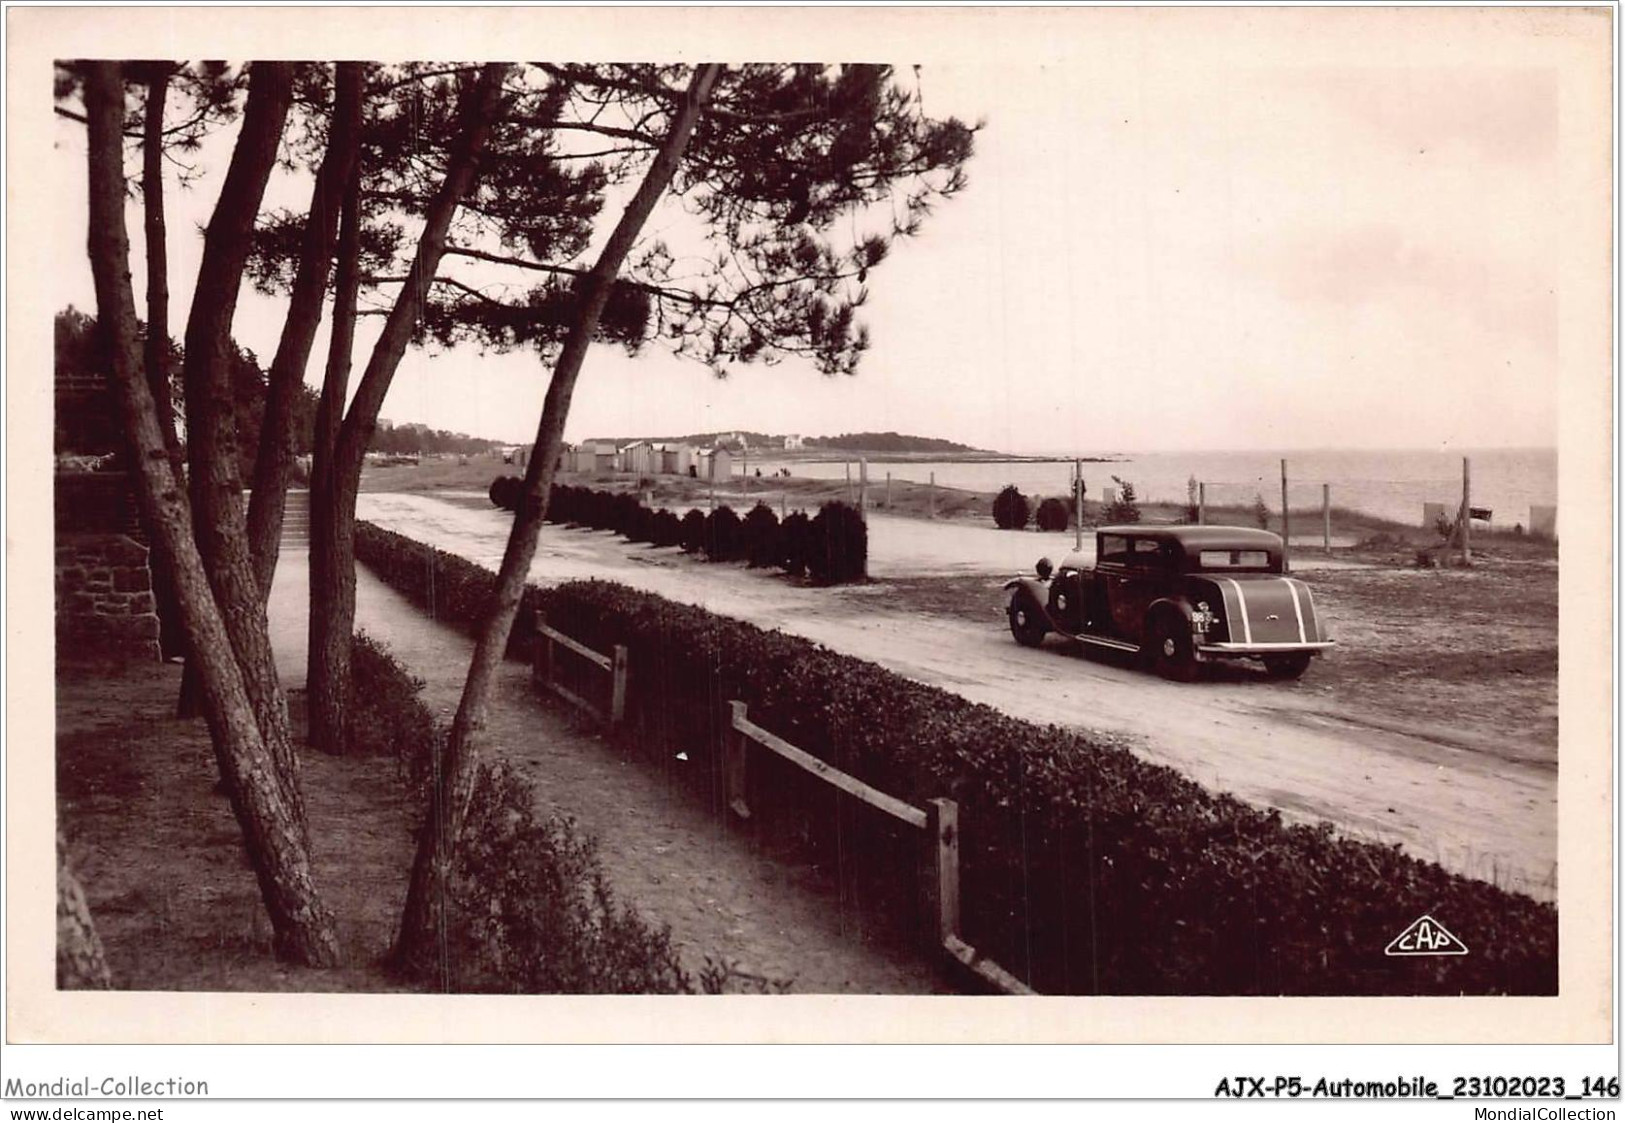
(1426, 936)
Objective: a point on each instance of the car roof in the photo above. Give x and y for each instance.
(1202, 537)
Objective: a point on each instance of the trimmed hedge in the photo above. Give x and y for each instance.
(1010, 509)
(1084, 868)
(832, 547)
(530, 910)
(1053, 514)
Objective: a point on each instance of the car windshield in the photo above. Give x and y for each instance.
(1234, 559)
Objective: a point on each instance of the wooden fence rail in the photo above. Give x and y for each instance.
(615, 664)
(939, 822)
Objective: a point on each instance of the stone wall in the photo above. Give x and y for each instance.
(104, 603)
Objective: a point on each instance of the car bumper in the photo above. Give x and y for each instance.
(1243, 650)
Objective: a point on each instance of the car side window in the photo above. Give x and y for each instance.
(1149, 553)
(1113, 550)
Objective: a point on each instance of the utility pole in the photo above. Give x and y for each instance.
(863, 486)
(933, 493)
(1286, 526)
(1201, 503)
(1326, 515)
(1466, 519)
(1077, 504)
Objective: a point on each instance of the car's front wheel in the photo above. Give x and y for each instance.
(1173, 656)
(1287, 666)
(1027, 625)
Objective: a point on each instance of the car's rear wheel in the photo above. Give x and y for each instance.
(1287, 666)
(1027, 625)
(1173, 656)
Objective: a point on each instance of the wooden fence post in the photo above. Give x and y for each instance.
(1201, 504)
(1326, 515)
(617, 695)
(539, 642)
(733, 762)
(933, 494)
(942, 842)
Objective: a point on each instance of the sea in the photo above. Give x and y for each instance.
(1390, 484)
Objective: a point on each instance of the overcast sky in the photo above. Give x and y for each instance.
(1164, 244)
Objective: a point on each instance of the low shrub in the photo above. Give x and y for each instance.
(505, 492)
(623, 512)
(1126, 507)
(667, 529)
(1053, 514)
(760, 537)
(1010, 509)
(837, 545)
(692, 538)
(795, 542)
(444, 585)
(722, 535)
(385, 715)
(832, 547)
(643, 525)
(531, 912)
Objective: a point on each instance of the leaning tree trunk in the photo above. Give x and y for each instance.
(268, 504)
(333, 601)
(80, 961)
(275, 838)
(418, 950)
(211, 430)
(170, 634)
(332, 587)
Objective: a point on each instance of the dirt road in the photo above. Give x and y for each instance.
(1444, 793)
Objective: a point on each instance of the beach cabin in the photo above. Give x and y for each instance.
(594, 456)
(714, 464)
(640, 458)
(676, 459)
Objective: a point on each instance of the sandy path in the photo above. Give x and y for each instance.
(662, 853)
(1441, 793)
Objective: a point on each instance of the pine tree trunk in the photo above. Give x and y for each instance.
(215, 484)
(418, 951)
(273, 833)
(332, 587)
(80, 961)
(268, 504)
(334, 598)
(170, 634)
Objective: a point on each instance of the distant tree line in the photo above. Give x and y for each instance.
(887, 442)
(423, 441)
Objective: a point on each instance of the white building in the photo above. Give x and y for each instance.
(795, 442)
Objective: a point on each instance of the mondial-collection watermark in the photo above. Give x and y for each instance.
(108, 1087)
(1558, 1114)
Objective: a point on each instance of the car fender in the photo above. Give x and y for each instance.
(1033, 591)
(1161, 605)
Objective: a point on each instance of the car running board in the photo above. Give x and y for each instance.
(1102, 641)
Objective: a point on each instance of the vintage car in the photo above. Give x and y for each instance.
(1178, 596)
